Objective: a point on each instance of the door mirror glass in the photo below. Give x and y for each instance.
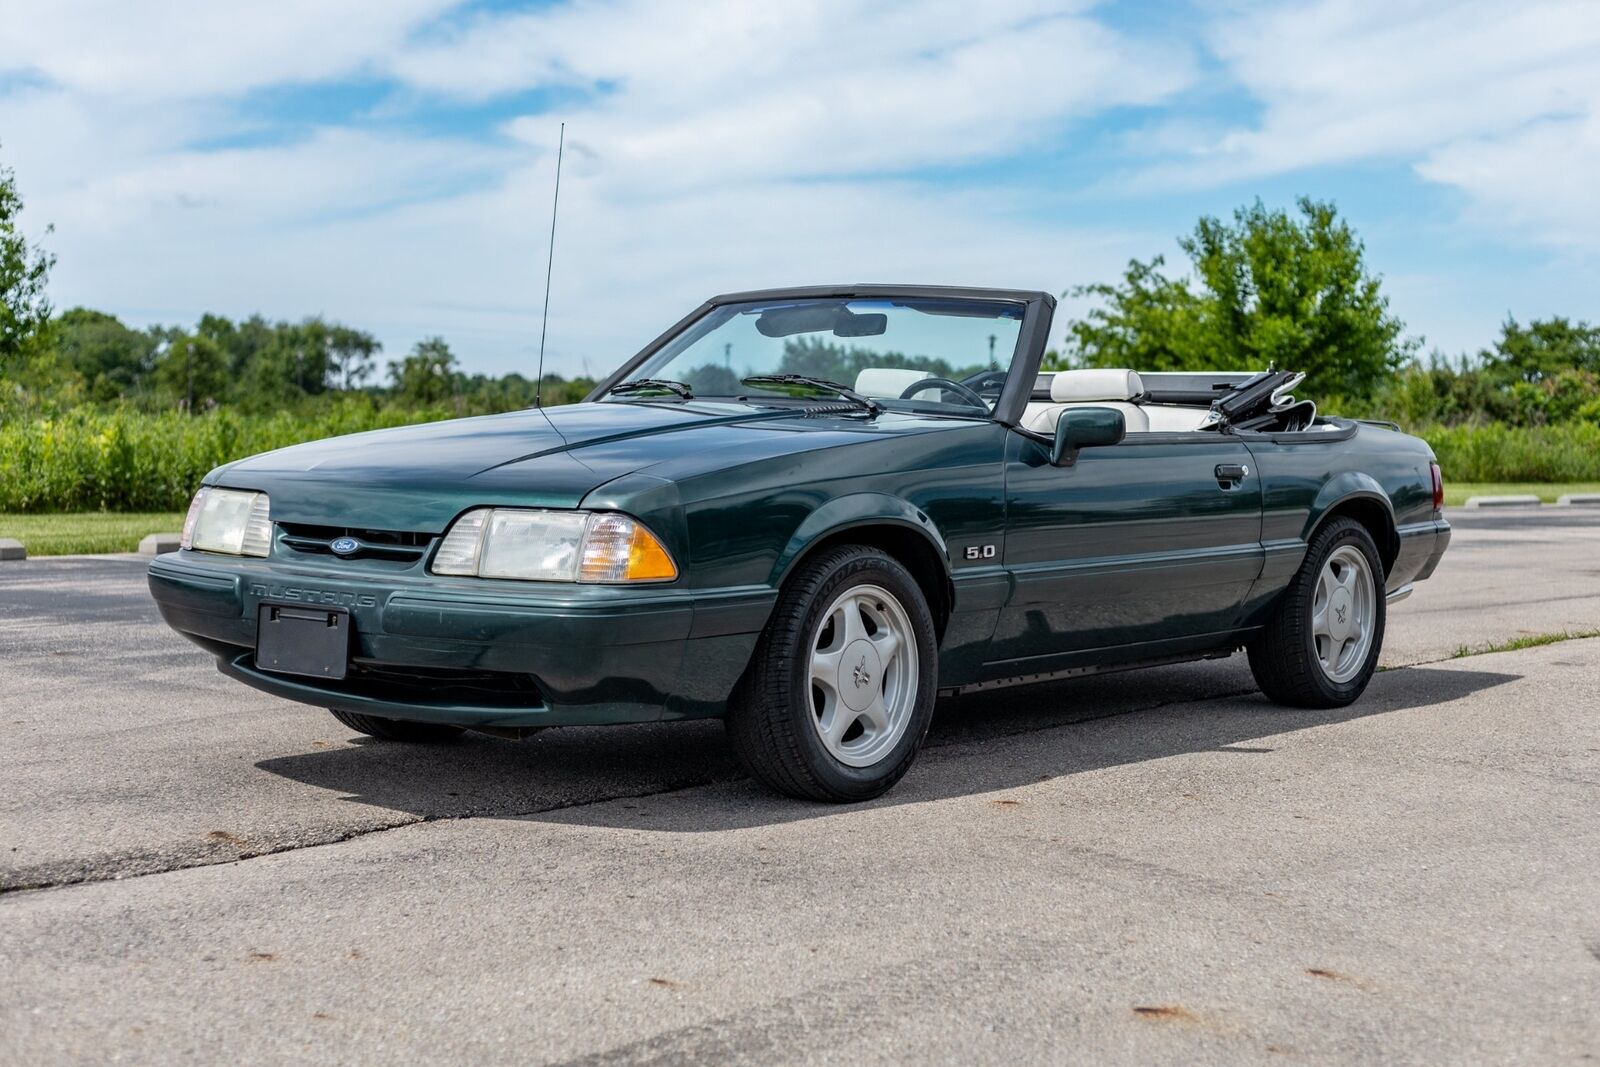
(1085, 428)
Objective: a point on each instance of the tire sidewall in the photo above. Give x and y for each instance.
(1351, 534)
(868, 568)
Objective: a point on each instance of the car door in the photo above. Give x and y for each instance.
(1148, 546)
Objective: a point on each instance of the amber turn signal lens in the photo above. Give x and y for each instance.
(620, 549)
(647, 558)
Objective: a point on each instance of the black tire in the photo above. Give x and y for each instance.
(1283, 657)
(418, 733)
(770, 720)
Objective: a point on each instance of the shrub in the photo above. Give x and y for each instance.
(128, 461)
(1562, 452)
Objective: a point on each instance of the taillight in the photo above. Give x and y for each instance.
(1438, 486)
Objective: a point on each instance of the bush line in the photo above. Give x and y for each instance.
(130, 461)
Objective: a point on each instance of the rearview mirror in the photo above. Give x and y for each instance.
(832, 318)
(1085, 428)
(851, 324)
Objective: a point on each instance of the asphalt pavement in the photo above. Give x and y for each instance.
(1154, 866)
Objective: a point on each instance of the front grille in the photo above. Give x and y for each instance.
(400, 545)
(443, 685)
(421, 687)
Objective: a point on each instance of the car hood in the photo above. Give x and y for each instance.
(419, 477)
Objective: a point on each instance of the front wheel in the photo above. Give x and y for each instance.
(1321, 646)
(396, 729)
(841, 689)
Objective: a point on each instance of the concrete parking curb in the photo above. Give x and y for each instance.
(10, 549)
(1580, 500)
(1517, 501)
(159, 543)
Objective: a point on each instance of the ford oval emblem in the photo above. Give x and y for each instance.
(344, 546)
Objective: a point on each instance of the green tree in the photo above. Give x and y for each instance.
(242, 342)
(350, 356)
(427, 376)
(1267, 288)
(1543, 349)
(292, 363)
(112, 358)
(24, 269)
(824, 359)
(192, 372)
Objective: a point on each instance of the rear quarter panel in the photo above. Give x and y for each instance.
(1305, 476)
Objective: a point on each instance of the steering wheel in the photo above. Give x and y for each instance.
(946, 385)
(985, 379)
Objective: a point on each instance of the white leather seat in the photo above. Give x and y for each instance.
(1173, 418)
(1116, 389)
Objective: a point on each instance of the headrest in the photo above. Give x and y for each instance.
(1081, 386)
(887, 381)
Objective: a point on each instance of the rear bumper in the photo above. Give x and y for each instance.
(1422, 546)
(476, 653)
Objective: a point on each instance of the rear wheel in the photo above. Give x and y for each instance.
(396, 729)
(842, 685)
(1321, 647)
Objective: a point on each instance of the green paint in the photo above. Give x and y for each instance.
(1135, 551)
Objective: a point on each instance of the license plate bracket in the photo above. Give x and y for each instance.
(291, 639)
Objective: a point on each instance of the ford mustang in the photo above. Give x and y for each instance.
(810, 512)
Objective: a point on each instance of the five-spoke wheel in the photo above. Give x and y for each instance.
(1342, 615)
(863, 675)
(840, 690)
(1321, 645)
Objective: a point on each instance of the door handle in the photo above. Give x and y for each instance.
(1231, 474)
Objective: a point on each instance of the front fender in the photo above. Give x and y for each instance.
(857, 510)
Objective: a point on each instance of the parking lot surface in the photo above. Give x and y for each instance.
(1149, 866)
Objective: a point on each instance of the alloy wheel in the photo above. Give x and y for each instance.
(863, 675)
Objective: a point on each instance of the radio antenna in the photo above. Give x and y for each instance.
(544, 322)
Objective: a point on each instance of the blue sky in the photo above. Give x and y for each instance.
(389, 164)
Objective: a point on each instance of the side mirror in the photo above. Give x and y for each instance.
(1085, 428)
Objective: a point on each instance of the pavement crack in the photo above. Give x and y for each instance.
(673, 786)
(344, 836)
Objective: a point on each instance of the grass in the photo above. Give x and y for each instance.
(1456, 493)
(86, 532)
(1525, 641)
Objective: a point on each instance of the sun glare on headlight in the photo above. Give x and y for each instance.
(553, 546)
(232, 521)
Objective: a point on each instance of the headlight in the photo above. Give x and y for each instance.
(552, 546)
(229, 520)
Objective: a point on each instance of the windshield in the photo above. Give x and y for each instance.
(943, 355)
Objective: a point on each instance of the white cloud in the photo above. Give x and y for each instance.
(719, 145)
(1497, 99)
(1539, 180)
(730, 144)
(187, 49)
(729, 90)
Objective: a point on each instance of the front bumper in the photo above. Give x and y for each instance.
(476, 653)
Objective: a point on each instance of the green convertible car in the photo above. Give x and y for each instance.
(809, 512)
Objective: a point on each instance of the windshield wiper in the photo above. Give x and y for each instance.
(821, 383)
(639, 385)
